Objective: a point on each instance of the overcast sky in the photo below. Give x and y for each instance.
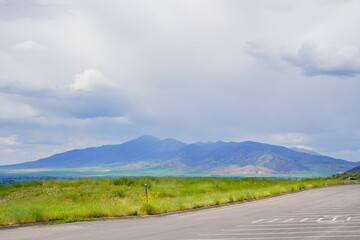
(75, 74)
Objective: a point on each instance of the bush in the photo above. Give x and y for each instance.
(148, 208)
(123, 181)
(134, 213)
(119, 193)
(3, 191)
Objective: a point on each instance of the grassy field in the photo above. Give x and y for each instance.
(69, 200)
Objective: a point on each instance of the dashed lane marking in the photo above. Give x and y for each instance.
(279, 233)
(323, 219)
(260, 220)
(288, 237)
(289, 220)
(257, 230)
(304, 224)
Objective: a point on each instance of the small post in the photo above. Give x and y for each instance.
(146, 192)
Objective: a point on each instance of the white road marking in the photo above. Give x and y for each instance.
(279, 233)
(281, 227)
(332, 220)
(274, 220)
(305, 224)
(338, 214)
(289, 220)
(260, 220)
(288, 237)
(319, 219)
(349, 218)
(325, 210)
(304, 220)
(318, 215)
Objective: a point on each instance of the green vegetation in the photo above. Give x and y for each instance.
(73, 200)
(347, 175)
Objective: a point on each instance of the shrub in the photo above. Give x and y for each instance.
(148, 208)
(3, 191)
(34, 184)
(134, 213)
(123, 181)
(119, 193)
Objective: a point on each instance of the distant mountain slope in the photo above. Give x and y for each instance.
(150, 153)
(355, 169)
(143, 148)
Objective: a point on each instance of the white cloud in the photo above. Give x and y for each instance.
(90, 80)
(13, 110)
(334, 61)
(304, 147)
(28, 45)
(11, 140)
(288, 139)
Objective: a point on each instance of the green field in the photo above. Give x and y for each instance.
(69, 200)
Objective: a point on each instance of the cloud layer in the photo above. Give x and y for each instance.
(312, 60)
(85, 73)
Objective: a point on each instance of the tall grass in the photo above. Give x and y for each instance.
(87, 198)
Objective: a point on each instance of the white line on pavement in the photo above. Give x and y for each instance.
(304, 224)
(260, 220)
(264, 238)
(279, 233)
(290, 228)
(289, 220)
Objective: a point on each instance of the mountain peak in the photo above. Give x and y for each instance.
(147, 138)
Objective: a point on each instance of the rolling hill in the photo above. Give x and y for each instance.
(149, 155)
(355, 169)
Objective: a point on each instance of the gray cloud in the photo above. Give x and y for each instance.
(310, 58)
(31, 9)
(96, 72)
(313, 60)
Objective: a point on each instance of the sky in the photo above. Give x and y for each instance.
(83, 73)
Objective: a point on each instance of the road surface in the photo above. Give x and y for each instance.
(325, 213)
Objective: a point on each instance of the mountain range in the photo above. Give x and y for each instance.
(148, 154)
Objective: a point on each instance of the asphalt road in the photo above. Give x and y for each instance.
(325, 213)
